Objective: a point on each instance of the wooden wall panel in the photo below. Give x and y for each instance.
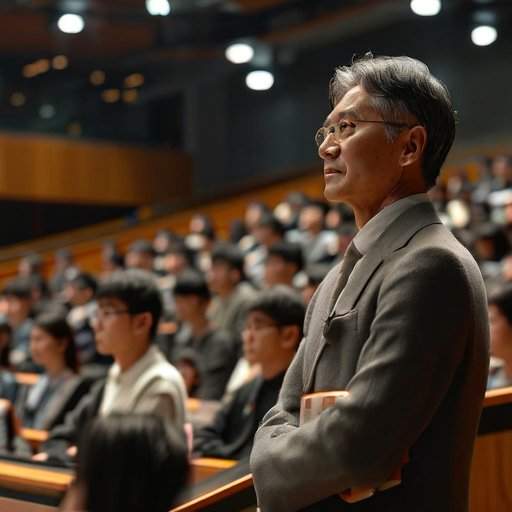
(53, 169)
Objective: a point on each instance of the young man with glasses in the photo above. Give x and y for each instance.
(400, 324)
(272, 332)
(140, 380)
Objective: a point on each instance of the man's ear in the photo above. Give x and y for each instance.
(290, 337)
(142, 322)
(414, 146)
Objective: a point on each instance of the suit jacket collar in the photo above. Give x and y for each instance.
(396, 236)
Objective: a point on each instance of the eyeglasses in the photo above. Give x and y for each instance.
(103, 313)
(343, 128)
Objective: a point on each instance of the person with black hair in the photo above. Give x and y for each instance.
(500, 321)
(18, 297)
(215, 349)
(129, 463)
(267, 231)
(318, 244)
(79, 293)
(283, 262)
(140, 380)
(231, 292)
(59, 388)
(140, 254)
(8, 386)
(272, 333)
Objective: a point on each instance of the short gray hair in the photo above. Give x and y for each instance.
(401, 87)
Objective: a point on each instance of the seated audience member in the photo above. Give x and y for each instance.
(231, 292)
(500, 322)
(283, 262)
(79, 293)
(140, 255)
(175, 261)
(64, 270)
(30, 264)
(111, 259)
(140, 380)
(59, 388)
(129, 463)
(267, 231)
(215, 350)
(18, 295)
(273, 330)
(201, 240)
(318, 244)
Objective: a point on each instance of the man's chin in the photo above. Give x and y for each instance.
(334, 193)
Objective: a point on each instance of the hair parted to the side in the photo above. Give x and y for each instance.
(403, 90)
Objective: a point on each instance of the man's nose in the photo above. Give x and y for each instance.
(329, 149)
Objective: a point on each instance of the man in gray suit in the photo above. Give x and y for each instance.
(401, 324)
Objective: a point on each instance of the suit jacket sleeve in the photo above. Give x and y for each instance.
(417, 340)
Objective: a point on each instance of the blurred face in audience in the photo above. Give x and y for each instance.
(46, 350)
(189, 307)
(501, 334)
(77, 296)
(278, 271)
(17, 309)
(141, 260)
(311, 219)
(267, 343)
(222, 277)
(174, 263)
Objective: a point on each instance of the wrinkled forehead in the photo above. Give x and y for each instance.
(355, 104)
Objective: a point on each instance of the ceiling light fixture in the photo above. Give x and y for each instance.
(426, 7)
(259, 80)
(158, 7)
(484, 35)
(71, 23)
(239, 53)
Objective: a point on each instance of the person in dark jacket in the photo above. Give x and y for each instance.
(272, 332)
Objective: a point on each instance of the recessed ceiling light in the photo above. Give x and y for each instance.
(484, 35)
(259, 80)
(97, 77)
(158, 7)
(71, 23)
(60, 62)
(239, 53)
(426, 7)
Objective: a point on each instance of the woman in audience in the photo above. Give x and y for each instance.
(500, 320)
(59, 388)
(7, 381)
(129, 463)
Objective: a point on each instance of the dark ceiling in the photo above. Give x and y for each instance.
(171, 53)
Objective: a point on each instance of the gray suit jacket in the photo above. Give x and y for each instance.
(408, 338)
